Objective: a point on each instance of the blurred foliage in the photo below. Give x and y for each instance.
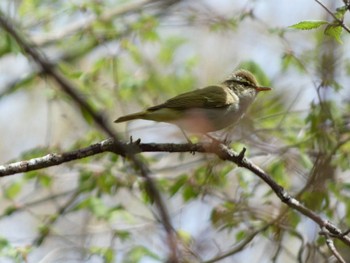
(129, 61)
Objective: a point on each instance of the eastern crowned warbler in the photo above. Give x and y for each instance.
(205, 110)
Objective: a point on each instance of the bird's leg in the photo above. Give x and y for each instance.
(188, 140)
(227, 141)
(212, 138)
(184, 133)
(137, 142)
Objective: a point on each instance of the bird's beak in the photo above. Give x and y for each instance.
(262, 88)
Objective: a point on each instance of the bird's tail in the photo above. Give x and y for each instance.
(134, 116)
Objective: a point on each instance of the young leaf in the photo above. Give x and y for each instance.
(137, 253)
(335, 32)
(307, 25)
(340, 12)
(14, 189)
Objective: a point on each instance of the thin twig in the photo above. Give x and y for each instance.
(240, 246)
(68, 55)
(331, 246)
(67, 87)
(88, 22)
(53, 219)
(220, 150)
(335, 18)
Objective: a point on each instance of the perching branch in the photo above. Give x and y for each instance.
(130, 149)
(108, 145)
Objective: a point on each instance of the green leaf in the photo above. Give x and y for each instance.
(289, 59)
(146, 27)
(307, 25)
(223, 216)
(189, 193)
(106, 253)
(334, 31)
(45, 180)
(95, 205)
(185, 237)
(44, 230)
(137, 253)
(168, 50)
(3, 243)
(10, 210)
(87, 182)
(277, 170)
(13, 190)
(341, 12)
(240, 235)
(178, 184)
(122, 235)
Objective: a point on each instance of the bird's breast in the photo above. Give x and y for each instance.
(201, 120)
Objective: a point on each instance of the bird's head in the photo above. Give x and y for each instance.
(243, 82)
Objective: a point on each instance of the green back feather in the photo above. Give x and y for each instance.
(215, 96)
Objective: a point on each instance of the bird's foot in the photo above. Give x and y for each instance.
(137, 142)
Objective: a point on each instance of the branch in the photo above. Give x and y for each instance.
(67, 87)
(335, 18)
(240, 246)
(331, 246)
(108, 145)
(226, 154)
(45, 231)
(88, 22)
(221, 150)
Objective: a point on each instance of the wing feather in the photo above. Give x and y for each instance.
(215, 96)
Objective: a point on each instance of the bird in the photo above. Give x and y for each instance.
(205, 110)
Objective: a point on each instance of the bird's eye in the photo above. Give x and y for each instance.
(245, 83)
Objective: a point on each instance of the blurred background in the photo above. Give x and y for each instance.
(124, 56)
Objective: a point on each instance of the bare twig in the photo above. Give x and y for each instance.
(18, 207)
(240, 246)
(53, 219)
(331, 245)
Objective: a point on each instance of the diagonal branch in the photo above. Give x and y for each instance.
(332, 247)
(240, 246)
(87, 24)
(67, 87)
(341, 23)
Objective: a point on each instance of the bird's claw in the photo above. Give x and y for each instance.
(137, 142)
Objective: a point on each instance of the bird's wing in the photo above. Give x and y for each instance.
(215, 96)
